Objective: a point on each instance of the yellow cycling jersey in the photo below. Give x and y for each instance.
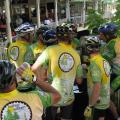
(99, 71)
(21, 106)
(116, 60)
(37, 49)
(19, 52)
(64, 64)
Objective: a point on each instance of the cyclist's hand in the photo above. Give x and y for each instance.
(25, 72)
(88, 112)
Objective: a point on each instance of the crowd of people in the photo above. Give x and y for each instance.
(49, 69)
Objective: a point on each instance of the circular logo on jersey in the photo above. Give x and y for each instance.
(14, 53)
(106, 68)
(66, 62)
(16, 110)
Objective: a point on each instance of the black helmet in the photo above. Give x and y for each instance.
(42, 30)
(49, 37)
(7, 72)
(39, 31)
(63, 31)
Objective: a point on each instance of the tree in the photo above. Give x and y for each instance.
(116, 18)
(94, 19)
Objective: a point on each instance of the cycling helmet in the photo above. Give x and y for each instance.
(63, 31)
(49, 37)
(90, 44)
(68, 25)
(108, 29)
(7, 71)
(25, 28)
(41, 30)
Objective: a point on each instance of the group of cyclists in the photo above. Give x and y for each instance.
(45, 64)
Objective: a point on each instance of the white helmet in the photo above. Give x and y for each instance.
(90, 44)
(25, 28)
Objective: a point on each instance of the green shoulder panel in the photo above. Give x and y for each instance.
(95, 72)
(108, 51)
(79, 71)
(45, 98)
(29, 56)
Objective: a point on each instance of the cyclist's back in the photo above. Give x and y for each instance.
(23, 106)
(19, 52)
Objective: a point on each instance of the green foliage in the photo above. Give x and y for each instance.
(94, 19)
(116, 18)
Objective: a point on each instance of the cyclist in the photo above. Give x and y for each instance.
(23, 105)
(19, 51)
(64, 64)
(98, 79)
(39, 45)
(111, 52)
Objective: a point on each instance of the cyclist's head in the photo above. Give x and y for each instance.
(7, 74)
(71, 26)
(39, 33)
(91, 44)
(64, 33)
(108, 31)
(26, 31)
(49, 37)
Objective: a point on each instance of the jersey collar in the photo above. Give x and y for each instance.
(65, 45)
(94, 56)
(23, 42)
(12, 93)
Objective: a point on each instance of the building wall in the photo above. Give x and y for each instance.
(76, 9)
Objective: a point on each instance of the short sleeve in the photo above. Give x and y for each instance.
(95, 72)
(43, 59)
(79, 72)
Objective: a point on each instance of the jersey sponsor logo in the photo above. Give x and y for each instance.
(66, 62)
(106, 68)
(14, 53)
(16, 110)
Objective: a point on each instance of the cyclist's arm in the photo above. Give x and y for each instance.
(55, 96)
(79, 74)
(40, 68)
(42, 61)
(41, 77)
